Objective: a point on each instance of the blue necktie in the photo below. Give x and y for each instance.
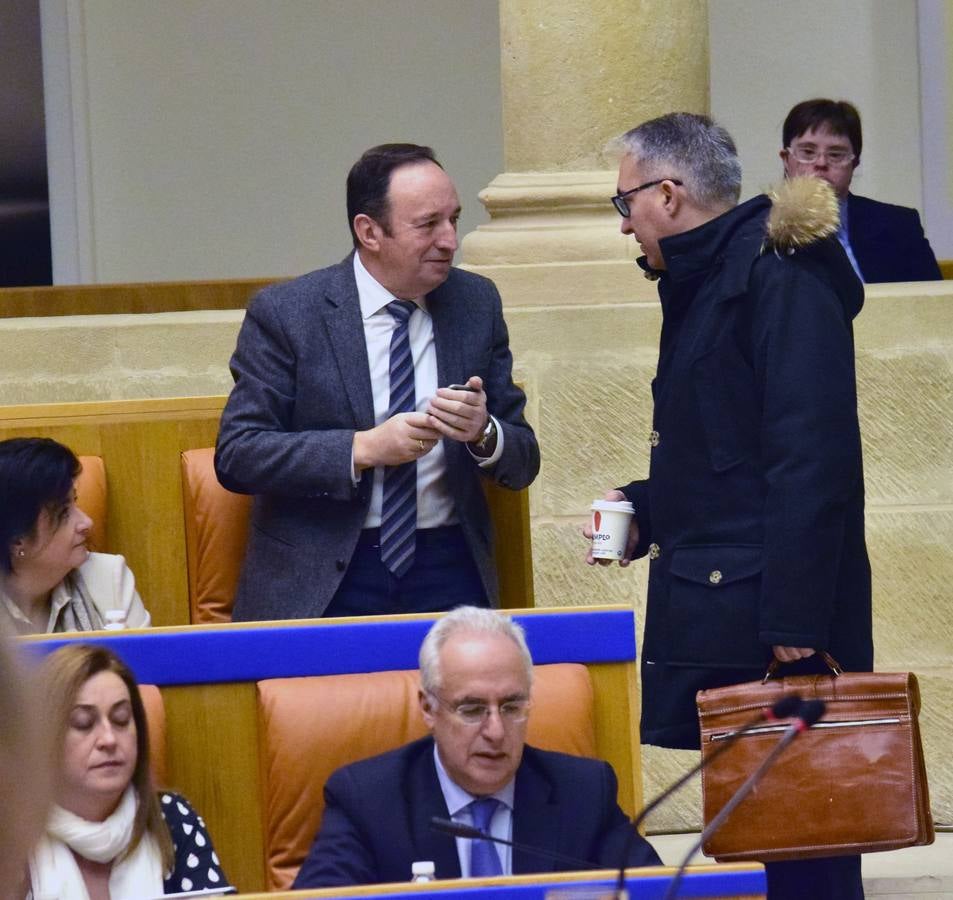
(484, 860)
(399, 507)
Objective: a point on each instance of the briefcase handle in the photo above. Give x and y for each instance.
(832, 664)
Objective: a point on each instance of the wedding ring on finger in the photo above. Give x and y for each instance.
(420, 444)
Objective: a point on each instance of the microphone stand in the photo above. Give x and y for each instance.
(458, 829)
(782, 708)
(811, 711)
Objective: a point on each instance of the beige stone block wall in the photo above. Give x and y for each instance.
(587, 371)
(118, 357)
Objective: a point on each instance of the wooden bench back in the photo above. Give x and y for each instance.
(140, 443)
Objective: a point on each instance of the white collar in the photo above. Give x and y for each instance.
(457, 798)
(372, 294)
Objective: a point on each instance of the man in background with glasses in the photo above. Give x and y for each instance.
(752, 515)
(476, 677)
(883, 242)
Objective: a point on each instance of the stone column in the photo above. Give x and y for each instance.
(577, 73)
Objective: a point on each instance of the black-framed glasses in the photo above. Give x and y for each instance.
(622, 205)
(835, 156)
(472, 714)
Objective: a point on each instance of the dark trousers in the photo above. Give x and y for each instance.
(443, 576)
(827, 878)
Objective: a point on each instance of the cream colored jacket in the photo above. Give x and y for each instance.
(109, 583)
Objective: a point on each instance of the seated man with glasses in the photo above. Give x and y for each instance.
(475, 695)
(884, 242)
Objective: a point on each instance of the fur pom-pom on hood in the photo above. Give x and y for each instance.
(804, 209)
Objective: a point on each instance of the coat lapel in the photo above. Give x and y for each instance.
(450, 342)
(424, 800)
(536, 819)
(449, 335)
(346, 332)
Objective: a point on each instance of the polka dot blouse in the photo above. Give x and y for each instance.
(196, 864)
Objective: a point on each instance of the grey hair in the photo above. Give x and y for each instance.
(467, 620)
(692, 148)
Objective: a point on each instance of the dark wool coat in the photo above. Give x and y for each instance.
(753, 512)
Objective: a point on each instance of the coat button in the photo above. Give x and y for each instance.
(654, 551)
(715, 577)
(341, 564)
(654, 438)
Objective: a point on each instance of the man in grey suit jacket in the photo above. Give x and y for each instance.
(312, 430)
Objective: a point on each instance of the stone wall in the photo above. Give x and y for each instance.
(587, 370)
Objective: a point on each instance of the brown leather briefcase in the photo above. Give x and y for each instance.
(853, 783)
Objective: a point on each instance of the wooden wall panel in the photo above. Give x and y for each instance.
(617, 728)
(103, 299)
(212, 741)
(509, 512)
(140, 442)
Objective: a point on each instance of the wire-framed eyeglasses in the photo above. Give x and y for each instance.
(835, 156)
(620, 202)
(511, 711)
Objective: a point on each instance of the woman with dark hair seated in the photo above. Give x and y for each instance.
(110, 836)
(49, 580)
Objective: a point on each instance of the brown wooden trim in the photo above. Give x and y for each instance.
(108, 299)
(159, 408)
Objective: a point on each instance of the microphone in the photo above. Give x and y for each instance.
(459, 830)
(783, 708)
(810, 712)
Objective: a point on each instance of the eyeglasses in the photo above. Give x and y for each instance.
(836, 156)
(622, 205)
(472, 714)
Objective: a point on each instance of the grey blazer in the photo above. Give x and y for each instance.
(302, 388)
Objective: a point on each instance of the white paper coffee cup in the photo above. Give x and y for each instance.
(610, 527)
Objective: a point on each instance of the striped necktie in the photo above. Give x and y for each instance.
(399, 507)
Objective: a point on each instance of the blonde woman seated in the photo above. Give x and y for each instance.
(110, 836)
(49, 580)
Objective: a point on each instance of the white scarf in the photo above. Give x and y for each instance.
(54, 874)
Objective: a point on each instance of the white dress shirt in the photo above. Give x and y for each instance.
(458, 805)
(845, 240)
(434, 503)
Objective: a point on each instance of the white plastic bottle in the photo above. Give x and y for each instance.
(422, 871)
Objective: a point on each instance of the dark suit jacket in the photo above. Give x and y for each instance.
(377, 819)
(302, 388)
(888, 242)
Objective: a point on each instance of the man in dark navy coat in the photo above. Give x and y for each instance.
(476, 680)
(753, 512)
(884, 242)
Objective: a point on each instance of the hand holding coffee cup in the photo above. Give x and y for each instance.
(610, 529)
